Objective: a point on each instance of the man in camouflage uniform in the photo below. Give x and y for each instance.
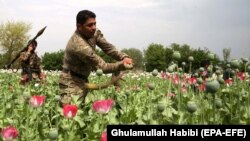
(80, 57)
(30, 63)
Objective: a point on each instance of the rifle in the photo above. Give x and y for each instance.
(25, 48)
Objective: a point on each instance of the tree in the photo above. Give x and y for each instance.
(13, 37)
(2, 60)
(184, 50)
(155, 57)
(104, 56)
(53, 61)
(137, 57)
(199, 56)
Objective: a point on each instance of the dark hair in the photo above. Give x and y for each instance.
(34, 42)
(83, 15)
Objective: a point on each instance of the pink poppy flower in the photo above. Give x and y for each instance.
(104, 136)
(184, 89)
(9, 133)
(37, 100)
(192, 80)
(229, 81)
(202, 87)
(70, 111)
(241, 75)
(176, 79)
(102, 106)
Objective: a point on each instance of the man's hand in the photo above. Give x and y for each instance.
(128, 63)
(30, 48)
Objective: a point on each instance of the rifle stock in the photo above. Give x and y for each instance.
(40, 32)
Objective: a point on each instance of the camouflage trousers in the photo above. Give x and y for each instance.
(117, 83)
(69, 86)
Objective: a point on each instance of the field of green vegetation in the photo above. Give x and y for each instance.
(32, 112)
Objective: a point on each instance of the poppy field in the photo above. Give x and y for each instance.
(33, 111)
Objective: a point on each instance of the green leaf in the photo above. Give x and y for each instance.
(79, 121)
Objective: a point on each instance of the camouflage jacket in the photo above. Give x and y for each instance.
(30, 60)
(80, 55)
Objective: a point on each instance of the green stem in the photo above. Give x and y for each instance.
(49, 122)
(213, 108)
(149, 108)
(190, 66)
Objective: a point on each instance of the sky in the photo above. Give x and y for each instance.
(212, 24)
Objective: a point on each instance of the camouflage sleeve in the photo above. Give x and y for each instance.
(35, 61)
(25, 56)
(108, 48)
(85, 52)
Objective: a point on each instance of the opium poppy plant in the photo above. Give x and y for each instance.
(9, 133)
(102, 106)
(104, 136)
(37, 100)
(70, 111)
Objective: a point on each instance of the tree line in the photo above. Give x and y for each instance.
(14, 36)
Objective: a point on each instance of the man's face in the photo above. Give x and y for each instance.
(33, 46)
(87, 30)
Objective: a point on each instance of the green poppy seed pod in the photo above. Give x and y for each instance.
(66, 127)
(212, 86)
(183, 63)
(128, 66)
(217, 67)
(220, 80)
(199, 80)
(225, 91)
(180, 70)
(218, 103)
(46, 112)
(244, 60)
(190, 58)
(53, 134)
(210, 56)
(228, 66)
(218, 72)
(191, 106)
(161, 107)
(57, 97)
(176, 55)
(210, 68)
(248, 69)
(99, 72)
(201, 69)
(155, 72)
(196, 74)
(170, 69)
(151, 86)
(244, 96)
(26, 95)
(232, 72)
(235, 63)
